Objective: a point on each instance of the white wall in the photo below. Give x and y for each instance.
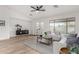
(18, 18)
(13, 21)
(4, 30)
(60, 16)
(12, 18)
(46, 25)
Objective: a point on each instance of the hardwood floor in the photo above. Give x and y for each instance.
(15, 46)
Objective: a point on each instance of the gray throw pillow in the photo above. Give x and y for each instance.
(71, 41)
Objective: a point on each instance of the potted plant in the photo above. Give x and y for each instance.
(18, 26)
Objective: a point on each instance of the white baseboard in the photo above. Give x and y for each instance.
(4, 38)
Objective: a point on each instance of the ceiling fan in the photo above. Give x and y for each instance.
(37, 8)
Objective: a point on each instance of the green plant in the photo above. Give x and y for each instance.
(45, 33)
(75, 50)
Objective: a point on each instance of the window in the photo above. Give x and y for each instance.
(63, 25)
(39, 27)
(52, 26)
(71, 26)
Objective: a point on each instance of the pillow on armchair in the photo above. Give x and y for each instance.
(77, 40)
(47, 34)
(55, 36)
(72, 40)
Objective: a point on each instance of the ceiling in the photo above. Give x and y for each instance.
(50, 10)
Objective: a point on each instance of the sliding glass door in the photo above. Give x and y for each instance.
(71, 26)
(63, 25)
(60, 27)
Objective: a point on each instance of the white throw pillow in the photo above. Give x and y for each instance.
(63, 39)
(55, 36)
(78, 35)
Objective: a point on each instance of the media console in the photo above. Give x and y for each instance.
(20, 32)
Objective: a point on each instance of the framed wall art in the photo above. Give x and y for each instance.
(2, 22)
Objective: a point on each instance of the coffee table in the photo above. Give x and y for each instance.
(47, 42)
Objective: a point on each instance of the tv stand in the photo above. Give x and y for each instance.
(20, 32)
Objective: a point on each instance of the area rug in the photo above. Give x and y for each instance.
(42, 48)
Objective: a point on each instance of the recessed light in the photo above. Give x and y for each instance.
(55, 6)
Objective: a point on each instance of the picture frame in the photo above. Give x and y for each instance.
(2, 22)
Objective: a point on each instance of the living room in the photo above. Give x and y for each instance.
(37, 20)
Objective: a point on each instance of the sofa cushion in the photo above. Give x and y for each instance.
(77, 40)
(72, 35)
(71, 41)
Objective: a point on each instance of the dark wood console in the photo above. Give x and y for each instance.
(20, 32)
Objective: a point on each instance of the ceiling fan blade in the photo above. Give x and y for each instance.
(41, 6)
(33, 7)
(42, 10)
(33, 10)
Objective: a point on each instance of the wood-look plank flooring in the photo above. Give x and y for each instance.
(15, 46)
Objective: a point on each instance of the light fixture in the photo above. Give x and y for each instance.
(37, 11)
